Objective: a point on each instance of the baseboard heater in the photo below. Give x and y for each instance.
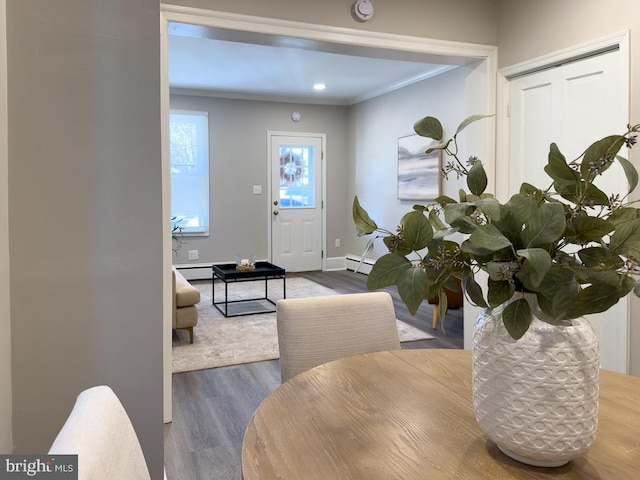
(356, 264)
(202, 271)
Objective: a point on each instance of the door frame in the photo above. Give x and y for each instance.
(323, 189)
(619, 40)
(480, 93)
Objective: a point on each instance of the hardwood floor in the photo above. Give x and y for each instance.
(211, 408)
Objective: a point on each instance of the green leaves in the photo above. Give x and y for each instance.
(477, 179)
(598, 298)
(489, 238)
(608, 147)
(412, 285)
(361, 218)
(439, 146)
(556, 290)
(417, 231)
(429, 127)
(545, 226)
(535, 268)
(521, 208)
(626, 237)
(386, 270)
(583, 229)
(557, 168)
(468, 121)
(630, 172)
(600, 257)
(571, 244)
(499, 292)
(517, 318)
(623, 215)
(474, 291)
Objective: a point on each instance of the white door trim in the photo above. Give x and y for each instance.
(481, 95)
(167, 244)
(619, 39)
(323, 186)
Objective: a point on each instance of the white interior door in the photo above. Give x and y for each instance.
(296, 201)
(573, 105)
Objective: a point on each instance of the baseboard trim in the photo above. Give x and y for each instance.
(335, 263)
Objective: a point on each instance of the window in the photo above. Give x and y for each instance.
(189, 143)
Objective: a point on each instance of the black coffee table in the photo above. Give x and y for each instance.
(228, 274)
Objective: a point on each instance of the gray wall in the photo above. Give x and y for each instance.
(85, 213)
(238, 160)
(473, 21)
(5, 320)
(529, 30)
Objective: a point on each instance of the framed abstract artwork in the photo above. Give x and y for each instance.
(418, 173)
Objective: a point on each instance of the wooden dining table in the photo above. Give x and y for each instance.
(408, 414)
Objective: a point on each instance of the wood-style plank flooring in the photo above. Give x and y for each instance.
(211, 408)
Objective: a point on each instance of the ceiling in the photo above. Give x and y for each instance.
(217, 62)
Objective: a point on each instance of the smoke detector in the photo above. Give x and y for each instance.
(362, 10)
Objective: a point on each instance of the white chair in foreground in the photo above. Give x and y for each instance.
(316, 330)
(100, 432)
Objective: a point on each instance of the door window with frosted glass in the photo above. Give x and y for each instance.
(297, 176)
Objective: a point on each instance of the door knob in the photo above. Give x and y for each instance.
(276, 212)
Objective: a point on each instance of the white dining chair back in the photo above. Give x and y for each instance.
(316, 330)
(100, 432)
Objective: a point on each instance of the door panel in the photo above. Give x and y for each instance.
(296, 202)
(573, 105)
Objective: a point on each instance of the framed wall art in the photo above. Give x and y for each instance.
(418, 173)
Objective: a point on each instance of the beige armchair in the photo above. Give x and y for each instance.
(185, 298)
(316, 330)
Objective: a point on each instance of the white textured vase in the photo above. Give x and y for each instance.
(536, 397)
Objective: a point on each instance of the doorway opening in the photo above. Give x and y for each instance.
(480, 86)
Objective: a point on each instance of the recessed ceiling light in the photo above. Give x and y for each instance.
(319, 86)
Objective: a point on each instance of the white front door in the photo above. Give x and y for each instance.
(296, 201)
(573, 105)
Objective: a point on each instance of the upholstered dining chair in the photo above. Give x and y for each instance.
(100, 432)
(316, 330)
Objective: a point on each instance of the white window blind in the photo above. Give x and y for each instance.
(189, 142)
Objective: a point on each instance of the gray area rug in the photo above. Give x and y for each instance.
(220, 341)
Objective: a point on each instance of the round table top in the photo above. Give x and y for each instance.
(408, 414)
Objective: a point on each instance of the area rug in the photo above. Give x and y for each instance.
(220, 341)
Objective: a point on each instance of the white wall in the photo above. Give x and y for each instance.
(5, 324)
(376, 126)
